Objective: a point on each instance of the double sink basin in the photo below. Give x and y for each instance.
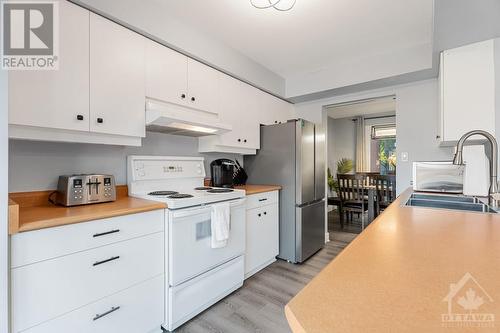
(454, 202)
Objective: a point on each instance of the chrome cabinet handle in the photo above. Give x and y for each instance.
(106, 233)
(113, 309)
(97, 263)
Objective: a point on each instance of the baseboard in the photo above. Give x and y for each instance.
(258, 269)
(327, 237)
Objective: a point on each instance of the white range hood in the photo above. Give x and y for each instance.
(175, 119)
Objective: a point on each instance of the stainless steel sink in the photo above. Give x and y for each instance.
(471, 204)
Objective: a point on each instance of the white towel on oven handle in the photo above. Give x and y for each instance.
(220, 224)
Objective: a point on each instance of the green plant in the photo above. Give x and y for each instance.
(344, 165)
(331, 180)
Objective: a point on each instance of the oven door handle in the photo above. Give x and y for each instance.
(238, 202)
(204, 209)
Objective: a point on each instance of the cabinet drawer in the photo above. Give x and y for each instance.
(48, 289)
(34, 246)
(262, 238)
(135, 310)
(261, 199)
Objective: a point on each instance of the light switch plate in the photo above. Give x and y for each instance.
(404, 156)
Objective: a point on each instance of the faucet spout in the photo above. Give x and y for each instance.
(493, 158)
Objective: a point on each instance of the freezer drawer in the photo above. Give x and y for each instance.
(310, 229)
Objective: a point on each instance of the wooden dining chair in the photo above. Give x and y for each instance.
(386, 190)
(353, 195)
(369, 177)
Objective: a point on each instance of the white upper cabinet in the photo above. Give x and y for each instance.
(467, 90)
(117, 79)
(174, 78)
(203, 87)
(275, 110)
(245, 108)
(166, 74)
(239, 107)
(57, 99)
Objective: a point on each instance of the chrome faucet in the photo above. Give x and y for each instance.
(493, 193)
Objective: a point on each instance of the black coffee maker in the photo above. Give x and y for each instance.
(222, 171)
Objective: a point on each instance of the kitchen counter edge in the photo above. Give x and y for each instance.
(34, 213)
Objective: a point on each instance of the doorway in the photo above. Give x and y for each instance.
(361, 142)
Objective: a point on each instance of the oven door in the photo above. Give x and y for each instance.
(190, 253)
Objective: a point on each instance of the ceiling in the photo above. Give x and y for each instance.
(314, 35)
(382, 105)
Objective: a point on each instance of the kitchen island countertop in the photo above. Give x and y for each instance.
(409, 271)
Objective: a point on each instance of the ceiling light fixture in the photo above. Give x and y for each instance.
(281, 5)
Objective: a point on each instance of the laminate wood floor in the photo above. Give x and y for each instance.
(259, 305)
(351, 226)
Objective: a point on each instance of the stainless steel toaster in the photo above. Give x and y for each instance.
(438, 177)
(85, 189)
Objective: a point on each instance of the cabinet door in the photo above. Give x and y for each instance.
(203, 87)
(59, 98)
(274, 110)
(468, 90)
(166, 74)
(262, 242)
(117, 79)
(239, 109)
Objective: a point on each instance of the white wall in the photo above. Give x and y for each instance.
(462, 22)
(151, 18)
(341, 141)
(37, 165)
(360, 70)
(4, 239)
(497, 80)
(416, 122)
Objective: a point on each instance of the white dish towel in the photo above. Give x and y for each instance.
(220, 224)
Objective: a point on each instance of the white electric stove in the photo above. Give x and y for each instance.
(177, 181)
(197, 275)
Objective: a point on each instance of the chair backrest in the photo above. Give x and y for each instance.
(386, 188)
(351, 187)
(369, 177)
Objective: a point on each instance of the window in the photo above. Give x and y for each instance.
(384, 131)
(383, 149)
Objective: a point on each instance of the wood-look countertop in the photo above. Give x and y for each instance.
(398, 275)
(255, 189)
(35, 212)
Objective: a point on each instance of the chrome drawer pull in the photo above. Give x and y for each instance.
(105, 261)
(113, 309)
(106, 233)
(263, 199)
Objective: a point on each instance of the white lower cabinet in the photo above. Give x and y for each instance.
(138, 309)
(104, 282)
(262, 232)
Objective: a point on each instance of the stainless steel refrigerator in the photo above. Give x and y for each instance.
(293, 155)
